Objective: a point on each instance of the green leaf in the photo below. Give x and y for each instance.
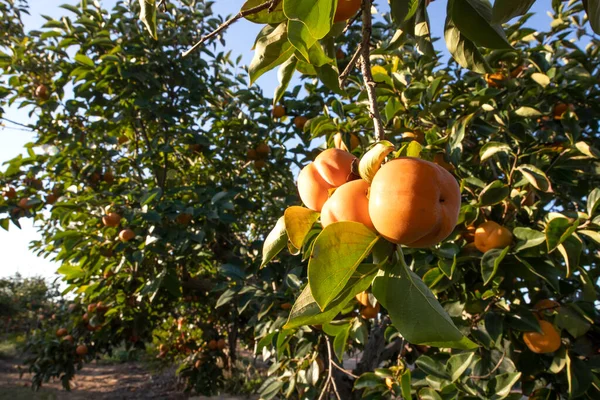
(593, 201)
(84, 60)
(457, 135)
(536, 177)
(148, 16)
(405, 384)
(265, 16)
(285, 73)
(592, 8)
(463, 51)
(429, 394)
(458, 364)
(275, 241)
(474, 20)
(337, 252)
(571, 250)
(341, 342)
(494, 193)
(368, 380)
(151, 195)
(71, 272)
(558, 230)
(491, 148)
(403, 10)
(298, 222)
(317, 15)
(541, 79)
(530, 236)
(306, 311)
(500, 385)
(579, 376)
(490, 262)
(415, 311)
(299, 36)
(272, 48)
(432, 367)
(527, 112)
(505, 10)
(572, 321)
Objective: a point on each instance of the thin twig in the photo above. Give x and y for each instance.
(350, 66)
(16, 123)
(349, 24)
(480, 316)
(492, 371)
(344, 370)
(241, 14)
(366, 70)
(325, 388)
(329, 377)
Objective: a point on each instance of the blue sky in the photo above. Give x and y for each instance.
(239, 37)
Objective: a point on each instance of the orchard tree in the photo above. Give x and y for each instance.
(450, 234)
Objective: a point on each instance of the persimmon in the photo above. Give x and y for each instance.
(42, 92)
(81, 350)
(126, 235)
(260, 164)
(490, 235)
(263, 150)
(61, 332)
(495, 80)
(91, 308)
(414, 202)
(546, 342)
(221, 344)
(286, 306)
(69, 338)
(278, 111)
(213, 345)
(85, 317)
(349, 202)
(339, 142)
(184, 219)
(561, 108)
(111, 219)
(72, 307)
(51, 198)
(346, 9)
(363, 298)
(24, 204)
(251, 155)
(108, 177)
(332, 168)
(10, 193)
(101, 307)
(300, 121)
(545, 305)
(368, 312)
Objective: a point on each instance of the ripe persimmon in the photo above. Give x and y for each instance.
(221, 344)
(561, 108)
(263, 150)
(546, 342)
(81, 350)
(126, 235)
(91, 308)
(51, 198)
(300, 121)
(363, 298)
(278, 111)
(111, 219)
(414, 202)
(545, 305)
(368, 312)
(42, 92)
(61, 332)
(108, 177)
(286, 306)
(339, 142)
(23, 203)
(213, 345)
(495, 80)
(184, 218)
(332, 168)
(346, 9)
(10, 193)
(490, 235)
(260, 164)
(251, 155)
(349, 202)
(69, 338)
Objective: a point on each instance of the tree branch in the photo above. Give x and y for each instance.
(366, 70)
(330, 370)
(350, 66)
(241, 14)
(17, 123)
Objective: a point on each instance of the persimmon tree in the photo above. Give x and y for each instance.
(454, 249)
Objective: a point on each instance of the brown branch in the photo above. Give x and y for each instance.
(486, 376)
(350, 66)
(17, 123)
(352, 21)
(366, 70)
(329, 377)
(345, 371)
(241, 14)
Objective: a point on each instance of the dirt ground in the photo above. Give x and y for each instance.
(95, 382)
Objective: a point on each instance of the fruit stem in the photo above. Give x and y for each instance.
(366, 70)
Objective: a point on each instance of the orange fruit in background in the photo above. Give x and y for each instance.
(51, 198)
(363, 298)
(126, 235)
(286, 306)
(61, 332)
(263, 150)
(495, 80)
(561, 108)
(545, 305)
(69, 338)
(300, 121)
(278, 111)
(546, 342)
(332, 168)
(81, 350)
(91, 308)
(339, 143)
(111, 219)
(490, 235)
(108, 177)
(213, 345)
(346, 9)
(348, 203)
(221, 344)
(10, 193)
(251, 155)
(368, 312)
(42, 92)
(260, 164)
(23, 204)
(414, 202)
(85, 317)
(184, 218)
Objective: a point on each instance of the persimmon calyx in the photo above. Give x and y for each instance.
(372, 160)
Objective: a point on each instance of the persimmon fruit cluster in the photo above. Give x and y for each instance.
(410, 201)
